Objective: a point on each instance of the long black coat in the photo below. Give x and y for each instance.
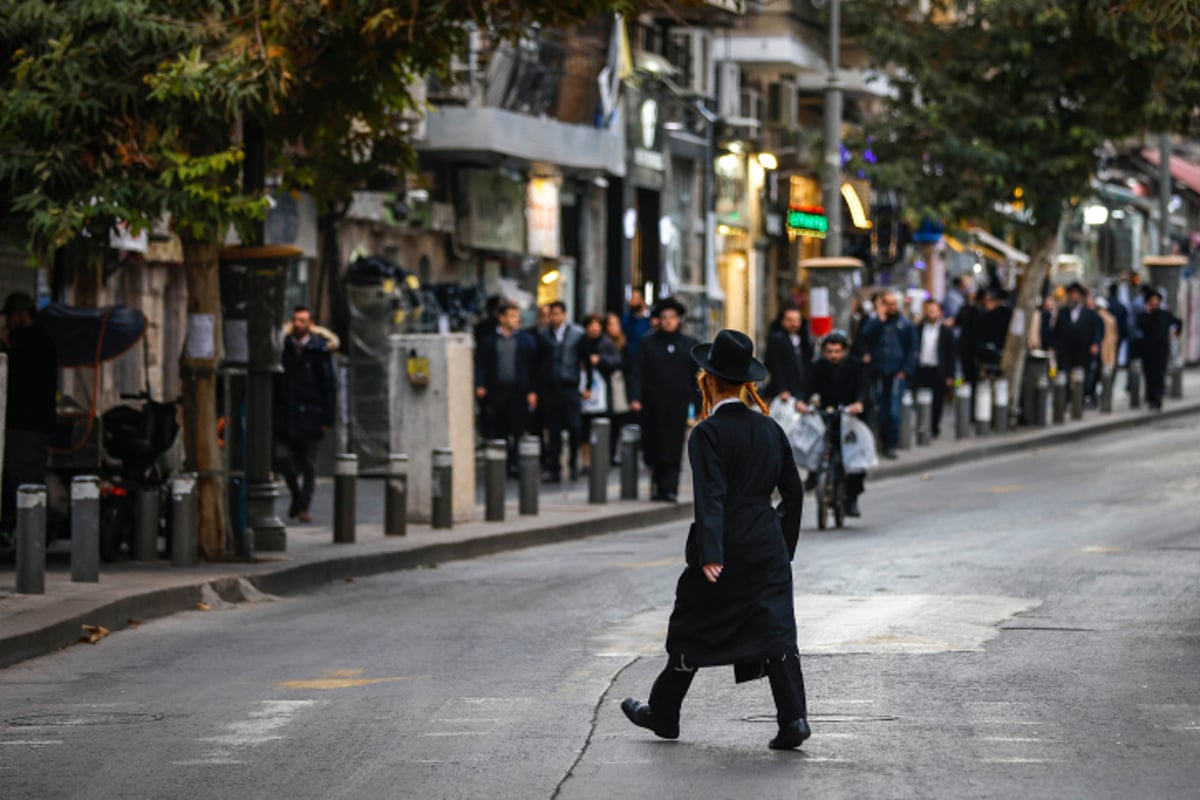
(1155, 328)
(305, 390)
(664, 382)
(787, 366)
(1073, 340)
(738, 458)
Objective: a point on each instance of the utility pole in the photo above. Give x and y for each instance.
(1164, 194)
(833, 137)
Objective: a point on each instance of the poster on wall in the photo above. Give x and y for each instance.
(542, 217)
(495, 211)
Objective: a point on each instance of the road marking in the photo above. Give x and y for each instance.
(466, 720)
(662, 562)
(1020, 760)
(342, 679)
(1100, 550)
(32, 742)
(1007, 489)
(264, 724)
(458, 733)
(1011, 739)
(205, 762)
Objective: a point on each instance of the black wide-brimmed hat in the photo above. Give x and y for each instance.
(731, 357)
(668, 304)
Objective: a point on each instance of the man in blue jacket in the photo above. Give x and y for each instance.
(506, 360)
(889, 346)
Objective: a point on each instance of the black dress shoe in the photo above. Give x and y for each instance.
(852, 509)
(890, 454)
(639, 714)
(671, 497)
(791, 735)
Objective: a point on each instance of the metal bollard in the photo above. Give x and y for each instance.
(601, 455)
(443, 488)
(1107, 377)
(395, 501)
(31, 539)
(144, 546)
(85, 529)
(345, 498)
(1041, 411)
(924, 416)
(1000, 405)
(1060, 398)
(529, 454)
(962, 411)
(495, 454)
(631, 443)
(907, 422)
(1077, 378)
(1135, 383)
(983, 408)
(185, 534)
(1176, 392)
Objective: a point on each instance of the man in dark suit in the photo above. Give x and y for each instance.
(563, 363)
(935, 360)
(506, 360)
(840, 380)
(1077, 332)
(1157, 327)
(789, 355)
(733, 602)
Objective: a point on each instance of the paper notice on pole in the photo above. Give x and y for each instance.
(237, 341)
(1017, 326)
(818, 301)
(201, 339)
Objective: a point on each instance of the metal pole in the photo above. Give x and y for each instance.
(345, 498)
(1041, 412)
(395, 502)
(494, 477)
(1107, 376)
(1177, 378)
(529, 453)
(443, 488)
(85, 529)
(833, 137)
(31, 539)
(631, 441)
(601, 455)
(1000, 405)
(1078, 375)
(1135, 383)
(1060, 398)
(185, 535)
(261, 492)
(906, 421)
(962, 411)
(1164, 194)
(145, 525)
(983, 408)
(924, 416)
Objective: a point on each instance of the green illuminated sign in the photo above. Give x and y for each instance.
(807, 221)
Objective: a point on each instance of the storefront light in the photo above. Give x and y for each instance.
(724, 230)
(728, 162)
(1095, 215)
(550, 277)
(858, 214)
(768, 161)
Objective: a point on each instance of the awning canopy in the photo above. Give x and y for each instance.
(1182, 170)
(1008, 252)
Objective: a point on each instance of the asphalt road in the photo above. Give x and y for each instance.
(1027, 626)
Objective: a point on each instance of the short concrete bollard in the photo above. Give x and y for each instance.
(601, 455)
(631, 444)
(144, 546)
(962, 411)
(1060, 398)
(85, 529)
(31, 539)
(495, 456)
(1041, 403)
(907, 421)
(443, 488)
(1135, 383)
(983, 408)
(1107, 379)
(345, 498)
(185, 505)
(924, 416)
(1176, 374)
(1000, 403)
(1077, 378)
(395, 501)
(529, 455)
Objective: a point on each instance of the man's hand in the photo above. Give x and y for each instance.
(854, 409)
(480, 392)
(531, 400)
(587, 394)
(712, 572)
(595, 359)
(901, 375)
(802, 406)
(1095, 349)
(635, 406)
(949, 382)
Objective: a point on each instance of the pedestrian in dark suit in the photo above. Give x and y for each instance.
(789, 356)
(935, 360)
(1077, 333)
(889, 344)
(662, 388)
(966, 325)
(733, 602)
(506, 361)
(305, 391)
(1157, 326)
(563, 365)
(840, 380)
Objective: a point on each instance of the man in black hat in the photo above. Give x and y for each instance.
(662, 386)
(1157, 327)
(1077, 332)
(32, 392)
(733, 602)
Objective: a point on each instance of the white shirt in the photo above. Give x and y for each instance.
(929, 344)
(1075, 312)
(795, 337)
(560, 332)
(724, 402)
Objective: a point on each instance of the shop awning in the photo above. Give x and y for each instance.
(1007, 251)
(1183, 171)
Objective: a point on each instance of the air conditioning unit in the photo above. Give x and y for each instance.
(691, 50)
(729, 89)
(781, 104)
(750, 105)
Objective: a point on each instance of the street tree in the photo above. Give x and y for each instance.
(998, 109)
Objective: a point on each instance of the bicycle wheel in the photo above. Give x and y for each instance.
(823, 497)
(839, 497)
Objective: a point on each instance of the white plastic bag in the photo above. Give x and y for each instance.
(858, 445)
(783, 412)
(597, 403)
(807, 438)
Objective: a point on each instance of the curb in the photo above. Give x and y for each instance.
(116, 615)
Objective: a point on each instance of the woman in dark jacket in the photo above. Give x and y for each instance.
(602, 359)
(733, 602)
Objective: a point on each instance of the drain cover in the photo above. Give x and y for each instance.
(74, 718)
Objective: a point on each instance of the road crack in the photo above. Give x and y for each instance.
(587, 742)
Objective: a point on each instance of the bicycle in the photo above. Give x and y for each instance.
(831, 476)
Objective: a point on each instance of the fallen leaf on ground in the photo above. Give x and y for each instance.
(93, 633)
(925, 476)
(203, 607)
(349, 580)
(133, 623)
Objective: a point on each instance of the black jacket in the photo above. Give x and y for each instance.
(562, 362)
(305, 391)
(486, 363)
(1155, 328)
(664, 382)
(32, 381)
(992, 334)
(1073, 340)
(738, 458)
(840, 384)
(946, 347)
(788, 366)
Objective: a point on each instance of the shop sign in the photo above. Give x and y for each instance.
(807, 221)
(496, 205)
(542, 216)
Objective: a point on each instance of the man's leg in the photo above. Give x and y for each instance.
(285, 465)
(889, 412)
(553, 421)
(666, 696)
(573, 422)
(787, 687)
(306, 453)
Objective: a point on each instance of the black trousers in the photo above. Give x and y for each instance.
(664, 478)
(296, 461)
(783, 673)
(1154, 366)
(930, 378)
(505, 411)
(561, 412)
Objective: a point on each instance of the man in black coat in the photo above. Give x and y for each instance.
(935, 360)
(733, 602)
(992, 332)
(506, 361)
(563, 364)
(662, 386)
(1077, 332)
(304, 409)
(1157, 327)
(789, 355)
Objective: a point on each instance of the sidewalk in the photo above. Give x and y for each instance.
(128, 593)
